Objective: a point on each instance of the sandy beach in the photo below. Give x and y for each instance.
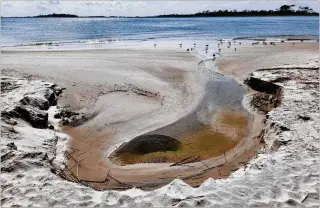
(249, 58)
(175, 86)
(126, 93)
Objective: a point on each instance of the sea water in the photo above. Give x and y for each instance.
(72, 31)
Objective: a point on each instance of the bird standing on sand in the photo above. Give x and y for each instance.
(155, 45)
(180, 45)
(219, 49)
(235, 49)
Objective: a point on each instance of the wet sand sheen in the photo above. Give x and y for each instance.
(207, 142)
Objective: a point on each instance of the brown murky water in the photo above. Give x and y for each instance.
(206, 142)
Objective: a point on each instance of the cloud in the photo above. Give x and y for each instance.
(135, 8)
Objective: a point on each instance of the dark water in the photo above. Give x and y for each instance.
(31, 30)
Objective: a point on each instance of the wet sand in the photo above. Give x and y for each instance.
(249, 58)
(89, 76)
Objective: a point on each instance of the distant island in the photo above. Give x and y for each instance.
(66, 16)
(54, 15)
(57, 15)
(284, 10)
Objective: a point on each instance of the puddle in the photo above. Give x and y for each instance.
(219, 130)
(214, 127)
(206, 142)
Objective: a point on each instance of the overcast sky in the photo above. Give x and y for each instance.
(137, 8)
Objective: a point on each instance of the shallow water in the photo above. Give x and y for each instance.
(95, 30)
(214, 127)
(206, 142)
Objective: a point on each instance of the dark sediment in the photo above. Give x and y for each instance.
(150, 143)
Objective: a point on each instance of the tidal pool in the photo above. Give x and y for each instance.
(216, 126)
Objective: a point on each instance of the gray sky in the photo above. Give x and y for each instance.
(138, 8)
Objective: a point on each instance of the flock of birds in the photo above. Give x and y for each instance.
(228, 45)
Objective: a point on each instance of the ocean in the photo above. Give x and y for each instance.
(15, 31)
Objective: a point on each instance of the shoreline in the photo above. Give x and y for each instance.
(165, 43)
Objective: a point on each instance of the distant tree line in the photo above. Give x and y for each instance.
(284, 10)
(58, 15)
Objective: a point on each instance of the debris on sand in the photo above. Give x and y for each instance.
(132, 88)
